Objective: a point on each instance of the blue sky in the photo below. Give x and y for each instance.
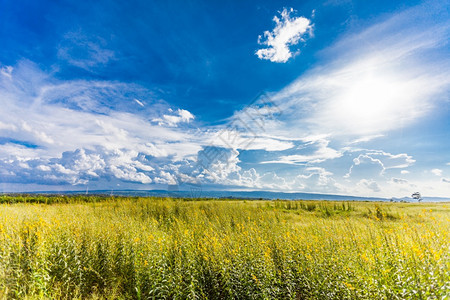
(341, 97)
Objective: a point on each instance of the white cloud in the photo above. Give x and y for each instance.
(80, 132)
(86, 133)
(393, 161)
(4, 126)
(85, 114)
(365, 139)
(6, 71)
(370, 184)
(84, 52)
(315, 178)
(272, 181)
(234, 139)
(139, 102)
(319, 152)
(399, 180)
(173, 119)
(404, 172)
(287, 32)
(374, 163)
(445, 180)
(437, 172)
(44, 168)
(219, 164)
(365, 166)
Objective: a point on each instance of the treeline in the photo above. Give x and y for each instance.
(54, 198)
(13, 198)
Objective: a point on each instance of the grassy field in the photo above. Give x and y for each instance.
(140, 248)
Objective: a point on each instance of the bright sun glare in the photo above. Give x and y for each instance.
(370, 98)
(374, 102)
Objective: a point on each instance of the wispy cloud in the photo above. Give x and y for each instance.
(365, 139)
(6, 71)
(437, 172)
(85, 52)
(140, 103)
(370, 184)
(399, 180)
(317, 151)
(288, 32)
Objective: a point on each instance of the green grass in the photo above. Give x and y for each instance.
(140, 248)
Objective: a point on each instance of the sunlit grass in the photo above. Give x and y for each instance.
(166, 248)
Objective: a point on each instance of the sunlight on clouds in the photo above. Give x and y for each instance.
(372, 84)
(369, 99)
(365, 139)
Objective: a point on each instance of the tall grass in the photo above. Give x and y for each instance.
(144, 248)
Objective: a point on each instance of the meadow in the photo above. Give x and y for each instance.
(159, 248)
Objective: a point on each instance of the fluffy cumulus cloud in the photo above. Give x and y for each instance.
(376, 162)
(288, 32)
(76, 132)
(173, 118)
(366, 166)
(217, 165)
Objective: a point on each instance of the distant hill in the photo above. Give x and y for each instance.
(225, 194)
(245, 195)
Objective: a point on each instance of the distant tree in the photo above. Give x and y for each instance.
(417, 196)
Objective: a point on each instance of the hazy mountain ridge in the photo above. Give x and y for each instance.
(246, 195)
